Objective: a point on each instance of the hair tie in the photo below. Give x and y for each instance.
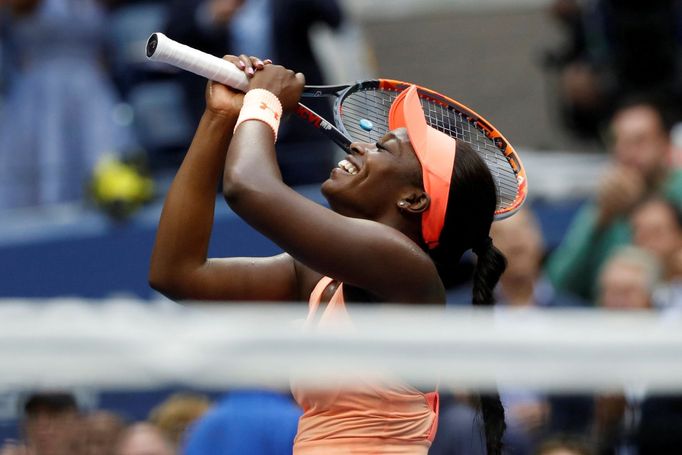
(482, 245)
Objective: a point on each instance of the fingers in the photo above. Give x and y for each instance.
(248, 64)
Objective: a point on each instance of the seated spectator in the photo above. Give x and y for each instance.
(629, 279)
(246, 422)
(58, 116)
(144, 439)
(652, 424)
(529, 414)
(177, 413)
(103, 429)
(523, 283)
(626, 282)
(640, 167)
(657, 228)
(51, 425)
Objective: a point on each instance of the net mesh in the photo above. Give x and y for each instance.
(373, 104)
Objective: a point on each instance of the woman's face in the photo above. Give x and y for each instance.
(374, 177)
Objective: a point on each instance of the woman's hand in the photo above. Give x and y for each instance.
(284, 83)
(226, 101)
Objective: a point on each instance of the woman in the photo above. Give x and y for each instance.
(402, 213)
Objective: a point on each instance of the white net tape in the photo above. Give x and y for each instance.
(126, 343)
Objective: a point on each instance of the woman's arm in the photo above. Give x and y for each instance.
(362, 253)
(179, 265)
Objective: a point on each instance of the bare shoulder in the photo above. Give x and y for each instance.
(385, 263)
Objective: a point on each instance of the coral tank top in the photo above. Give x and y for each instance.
(374, 417)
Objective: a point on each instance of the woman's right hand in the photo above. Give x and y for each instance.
(225, 101)
(282, 82)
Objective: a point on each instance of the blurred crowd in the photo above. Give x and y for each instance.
(240, 422)
(614, 50)
(74, 71)
(76, 89)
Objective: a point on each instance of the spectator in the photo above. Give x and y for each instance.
(640, 167)
(246, 422)
(626, 282)
(653, 424)
(278, 30)
(177, 413)
(657, 227)
(50, 426)
(530, 415)
(103, 429)
(144, 439)
(523, 283)
(614, 49)
(58, 117)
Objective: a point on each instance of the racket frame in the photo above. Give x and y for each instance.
(342, 92)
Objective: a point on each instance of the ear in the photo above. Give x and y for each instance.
(415, 202)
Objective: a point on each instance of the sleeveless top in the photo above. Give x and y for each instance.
(373, 418)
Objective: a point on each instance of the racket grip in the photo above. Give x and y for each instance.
(160, 48)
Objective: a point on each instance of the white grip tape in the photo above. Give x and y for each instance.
(198, 62)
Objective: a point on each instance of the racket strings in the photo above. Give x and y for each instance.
(374, 105)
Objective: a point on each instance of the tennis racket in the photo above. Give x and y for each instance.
(361, 114)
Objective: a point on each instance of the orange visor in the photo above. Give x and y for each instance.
(436, 152)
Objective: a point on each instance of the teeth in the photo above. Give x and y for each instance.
(348, 167)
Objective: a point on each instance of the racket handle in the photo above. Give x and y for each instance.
(160, 48)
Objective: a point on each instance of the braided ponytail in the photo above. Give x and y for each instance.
(470, 212)
(489, 267)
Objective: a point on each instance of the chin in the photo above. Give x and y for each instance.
(327, 190)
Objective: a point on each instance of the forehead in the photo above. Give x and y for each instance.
(400, 136)
(623, 272)
(654, 211)
(637, 118)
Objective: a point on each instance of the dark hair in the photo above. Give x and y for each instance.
(663, 109)
(470, 212)
(54, 402)
(672, 206)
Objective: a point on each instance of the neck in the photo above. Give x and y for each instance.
(409, 225)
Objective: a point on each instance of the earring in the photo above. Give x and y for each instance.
(402, 204)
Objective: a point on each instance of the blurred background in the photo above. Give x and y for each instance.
(588, 91)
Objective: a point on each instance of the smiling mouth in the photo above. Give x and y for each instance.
(347, 166)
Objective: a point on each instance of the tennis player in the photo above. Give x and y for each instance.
(402, 212)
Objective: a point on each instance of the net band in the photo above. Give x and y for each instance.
(125, 343)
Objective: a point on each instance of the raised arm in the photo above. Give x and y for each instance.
(363, 253)
(179, 265)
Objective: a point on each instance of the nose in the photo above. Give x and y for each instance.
(359, 148)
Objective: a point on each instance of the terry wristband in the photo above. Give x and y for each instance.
(260, 104)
